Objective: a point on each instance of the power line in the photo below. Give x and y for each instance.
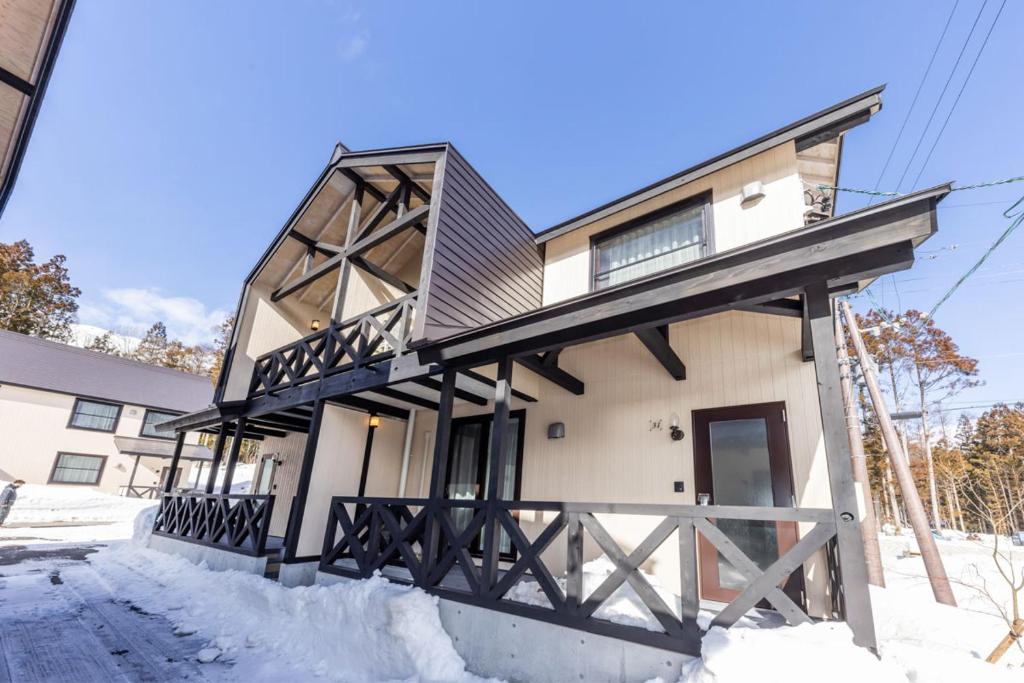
(962, 87)
(920, 85)
(945, 87)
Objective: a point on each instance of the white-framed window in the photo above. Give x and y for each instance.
(98, 416)
(77, 468)
(154, 417)
(665, 239)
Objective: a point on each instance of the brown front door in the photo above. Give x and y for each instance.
(741, 457)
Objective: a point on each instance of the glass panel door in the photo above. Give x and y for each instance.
(741, 458)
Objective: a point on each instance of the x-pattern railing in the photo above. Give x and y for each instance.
(239, 523)
(136, 491)
(376, 335)
(387, 531)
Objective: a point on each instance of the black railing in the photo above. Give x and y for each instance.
(239, 523)
(374, 336)
(134, 491)
(421, 542)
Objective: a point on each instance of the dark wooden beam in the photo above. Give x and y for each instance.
(172, 469)
(806, 346)
(370, 406)
(656, 341)
(386, 206)
(308, 278)
(284, 421)
(468, 396)
(310, 243)
(381, 274)
(364, 473)
(236, 448)
(483, 379)
(393, 228)
(369, 188)
(17, 82)
(400, 175)
(791, 308)
(407, 398)
(552, 373)
(298, 511)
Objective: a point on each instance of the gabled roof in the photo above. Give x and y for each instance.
(808, 131)
(52, 366)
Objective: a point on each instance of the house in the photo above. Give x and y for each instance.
(32, 32)
(73, 417)
(481, 411)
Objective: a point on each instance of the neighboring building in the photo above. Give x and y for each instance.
(31, 32)
(73, 417)
(674, 404)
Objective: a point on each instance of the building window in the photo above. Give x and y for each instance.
(94, 415)
(154, 417)
(74, 468)
(666, 239)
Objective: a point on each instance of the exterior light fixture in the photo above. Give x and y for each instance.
(752, 192)
(556, 430)
(674, 431)
(314, 325)
(374, 421)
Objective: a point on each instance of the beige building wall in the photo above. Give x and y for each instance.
(567, 258)
(34, 425)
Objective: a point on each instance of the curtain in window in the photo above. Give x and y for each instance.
(649, 248)
(153, 418)
(77, 469)
(91, 415)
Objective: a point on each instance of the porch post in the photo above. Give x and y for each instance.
(852, 565)
(438, 470)
(236, 447)
(367, 450)
(499, 447)
(218, 454)
(199, 473)
(131, 478)
(291, 535)
(175, 459)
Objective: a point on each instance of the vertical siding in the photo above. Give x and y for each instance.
(484, 265)
(567, 258)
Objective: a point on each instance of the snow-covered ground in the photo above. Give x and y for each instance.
(250, 628)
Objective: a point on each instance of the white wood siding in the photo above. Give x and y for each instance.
(567, 258)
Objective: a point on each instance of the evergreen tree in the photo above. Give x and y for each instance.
(104, 344)
(153, 347)
(35, 299)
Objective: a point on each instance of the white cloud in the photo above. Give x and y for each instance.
(353, 46)
(131, 311)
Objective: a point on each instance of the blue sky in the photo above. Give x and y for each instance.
(176, 137)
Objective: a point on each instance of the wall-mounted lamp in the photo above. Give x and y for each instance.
(314, 325)
(374, 421)
(752, 192)
(556, 430)
(674, 431)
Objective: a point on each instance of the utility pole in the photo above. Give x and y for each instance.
(869, 527)
(911, 500)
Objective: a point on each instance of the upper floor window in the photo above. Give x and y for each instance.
(95, 415)
(668, 238)
(153, 418)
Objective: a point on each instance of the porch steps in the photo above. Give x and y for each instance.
(274, 557)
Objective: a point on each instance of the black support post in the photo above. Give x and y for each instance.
(439, 468)
(131, 479)
(367, 450)
(218, 455)
(175, 459)
(498, 456)
(852, 565)
(291, 536)
(236, 447)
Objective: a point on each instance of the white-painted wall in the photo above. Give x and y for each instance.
(34, 428)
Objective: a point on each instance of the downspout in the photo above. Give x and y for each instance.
(406, 450)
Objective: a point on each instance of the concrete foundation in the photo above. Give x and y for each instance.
(216, 559)
(519, 650)
(298, 574)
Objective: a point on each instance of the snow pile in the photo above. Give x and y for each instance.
(801, 654)
(49, 504)
(142, 528)
(369, 630)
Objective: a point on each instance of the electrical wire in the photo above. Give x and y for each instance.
(913, 102)
(942, 95)
(963, 86)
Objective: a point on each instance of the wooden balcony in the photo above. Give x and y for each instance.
(418, 542)
(237, 523)
(377, 335)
